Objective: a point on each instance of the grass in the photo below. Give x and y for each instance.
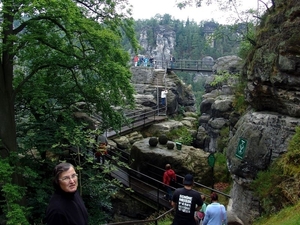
(287, 216)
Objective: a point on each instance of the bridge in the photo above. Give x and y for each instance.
(184, 65)
(138, 120)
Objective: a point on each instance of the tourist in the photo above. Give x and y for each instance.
(135, 60)
(169, 179)
(172, 61)
(199, 215)
(101, 148)
(215, 212)
(186, 201)
(66, 206)
(145, 62)
(151, 60)
(163, 96)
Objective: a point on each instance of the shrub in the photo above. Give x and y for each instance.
(278, 186)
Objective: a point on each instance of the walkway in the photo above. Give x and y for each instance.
(147, 187)
(138, 120)
(186, 65)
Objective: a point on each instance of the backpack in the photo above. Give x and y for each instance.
(172, 182)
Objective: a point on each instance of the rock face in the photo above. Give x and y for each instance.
(272, 73)
(186, 160)
(149, 83)
(165, 42)
(267, 135)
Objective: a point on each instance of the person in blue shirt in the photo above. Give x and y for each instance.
(215, 213)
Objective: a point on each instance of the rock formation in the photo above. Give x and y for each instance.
(272, 73)
(149, 82)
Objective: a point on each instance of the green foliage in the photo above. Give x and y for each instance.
(239, 103)
(266, 186)
(291, 160)
(221, 78)
(54, 59)
(14, 213)
(221, 172)
(223, 139)
(181, 135)
(287, 216)
(278, 186)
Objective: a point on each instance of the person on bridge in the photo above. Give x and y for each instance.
(186, 201)
(169, 179)
(172, 61)
(66, 206)
(215, 212)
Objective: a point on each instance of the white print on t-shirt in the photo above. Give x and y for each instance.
(185, 203)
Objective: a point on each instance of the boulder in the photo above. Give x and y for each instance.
(187, 160)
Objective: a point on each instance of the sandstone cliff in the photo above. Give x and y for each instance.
(272, 72)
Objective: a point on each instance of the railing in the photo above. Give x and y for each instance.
(146, 186)
(158, 175)
(143, 221)
(135, 120)
(184, 64)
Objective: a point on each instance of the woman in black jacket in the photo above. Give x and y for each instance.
(66, 206)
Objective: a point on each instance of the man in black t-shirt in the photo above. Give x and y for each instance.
(186, 201)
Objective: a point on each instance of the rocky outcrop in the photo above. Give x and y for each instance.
(267, 135)
(274, 68)
(186, 160)
(149, 82)
(272, 73)
(165, 42)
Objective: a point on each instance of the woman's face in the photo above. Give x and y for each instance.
(68, 180)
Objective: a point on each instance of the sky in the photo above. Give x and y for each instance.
(145, 9)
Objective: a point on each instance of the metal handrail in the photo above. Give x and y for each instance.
(185, 64)
(196, 184)
(147, 116)
(142, 221)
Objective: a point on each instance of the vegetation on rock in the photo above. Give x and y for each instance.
(278, 186)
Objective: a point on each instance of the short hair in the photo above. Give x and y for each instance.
(168, 166)
(58, 169)
(214, 196)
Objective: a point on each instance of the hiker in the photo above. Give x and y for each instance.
(169, 179)
(135, 60)
(186, 201)
(215, 212)
(163, 96)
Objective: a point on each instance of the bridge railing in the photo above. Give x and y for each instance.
(155, 174)
(135, 120)
(184, 64)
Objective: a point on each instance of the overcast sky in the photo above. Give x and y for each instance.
(145, 9)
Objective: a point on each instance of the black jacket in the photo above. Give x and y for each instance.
(66, 209)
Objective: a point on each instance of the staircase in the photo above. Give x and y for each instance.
(158, 78)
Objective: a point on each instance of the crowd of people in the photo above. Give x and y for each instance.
(190, 206)
(144, 61)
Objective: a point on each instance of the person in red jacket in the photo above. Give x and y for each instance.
(169, 179)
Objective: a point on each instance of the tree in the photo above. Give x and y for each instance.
(53, 55)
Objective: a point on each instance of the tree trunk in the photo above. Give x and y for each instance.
(8, 136)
